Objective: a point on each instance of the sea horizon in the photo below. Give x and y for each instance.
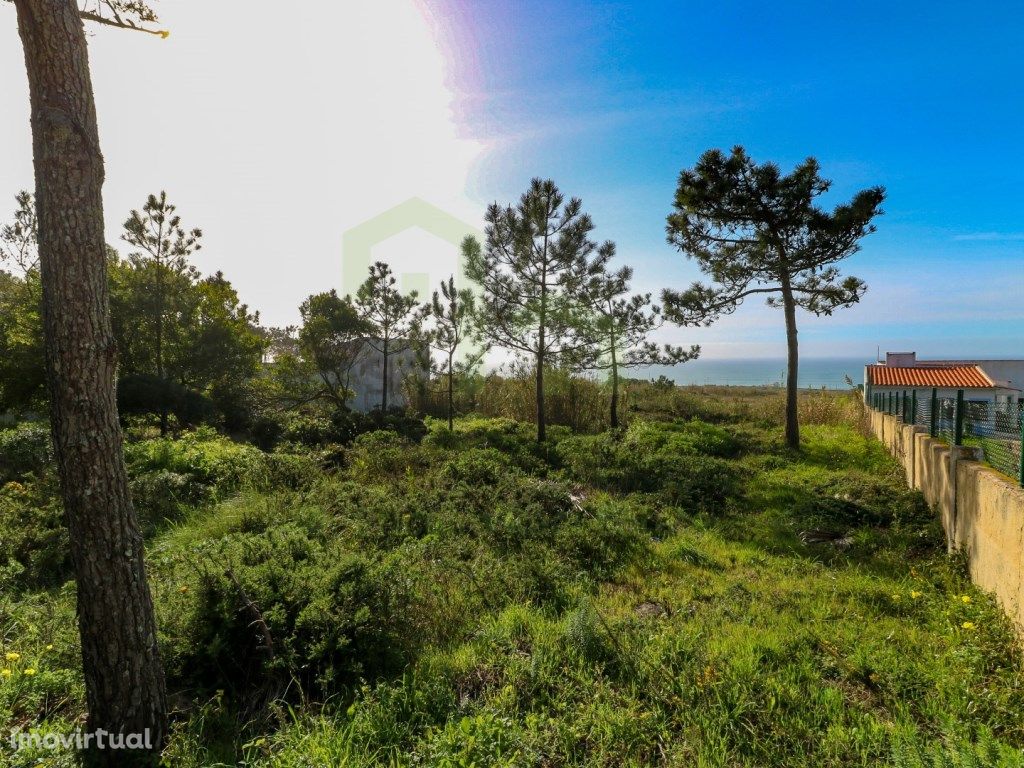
(814, 372)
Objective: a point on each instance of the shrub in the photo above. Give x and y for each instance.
(24, 449)
(220, 464)
(145, 394)
(679, 461)
(34, 544)
(334, 616)
(159, 496)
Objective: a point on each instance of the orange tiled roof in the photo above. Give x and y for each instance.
(952, 376)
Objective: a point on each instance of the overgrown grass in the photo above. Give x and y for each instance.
(476, 599)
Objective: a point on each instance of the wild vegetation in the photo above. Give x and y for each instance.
(681, 591)
(564, 573)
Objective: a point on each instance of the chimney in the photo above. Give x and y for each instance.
(901, 359)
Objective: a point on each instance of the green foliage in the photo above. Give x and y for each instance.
(331, 341)
(24, 449)
(214, 462)
(34, 547)
(391, 316)
(478, 598)
(172, 325)
(334, 615)
(22, 372)
(681, 461)
(534, 272)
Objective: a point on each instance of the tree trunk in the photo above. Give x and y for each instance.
(384, 395)
(160, 339)
(123, 677)
(792, 422)
(615, 386)
(451, 394)
(541, 421)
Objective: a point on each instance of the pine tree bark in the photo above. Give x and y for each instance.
(792, 421)
(384, 380)
(120, 661)
(451, 392)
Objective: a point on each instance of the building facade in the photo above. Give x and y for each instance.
(997, 382)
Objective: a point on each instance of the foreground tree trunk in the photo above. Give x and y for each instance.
(792, 422)
(123, 676)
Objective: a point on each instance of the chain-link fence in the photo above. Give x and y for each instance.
(995, 429)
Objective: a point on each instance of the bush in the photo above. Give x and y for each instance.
(145, 394)
(342, 427)
(334, 616)
(223, 466)
(24, 449)
(680, 461)
(34, 545)
(159, 496)
(853, 500)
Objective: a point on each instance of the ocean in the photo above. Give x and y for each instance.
(815, 373)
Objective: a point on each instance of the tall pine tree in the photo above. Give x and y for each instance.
(534, 269)
(622, 324)
(755, 231)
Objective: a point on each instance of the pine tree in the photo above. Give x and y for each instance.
(124, 680)
(452, 315)
(156, 233)
(622, 324)
(755, 231)
(534, 270)
(391, 317)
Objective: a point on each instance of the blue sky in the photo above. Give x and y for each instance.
(459, 102)
(613, 99)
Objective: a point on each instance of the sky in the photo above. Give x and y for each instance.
(277, 131)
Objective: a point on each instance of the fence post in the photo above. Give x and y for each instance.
(935, 412)
(958, 434)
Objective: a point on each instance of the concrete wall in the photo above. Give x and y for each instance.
(982, 511)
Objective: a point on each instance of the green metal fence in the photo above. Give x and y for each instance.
(996, 430)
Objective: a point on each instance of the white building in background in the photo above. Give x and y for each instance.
(989, 381)
(366, 380)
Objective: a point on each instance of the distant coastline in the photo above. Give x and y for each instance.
(815, 373)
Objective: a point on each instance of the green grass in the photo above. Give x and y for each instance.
(811, 619)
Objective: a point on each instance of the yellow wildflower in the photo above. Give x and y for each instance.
(30, 671)
(5, 673)
(914, 594)
(49, 647)
(12, 656)
(965, 599)
(968, 625)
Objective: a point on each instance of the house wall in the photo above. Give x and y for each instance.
(366, 379)
(982, 511)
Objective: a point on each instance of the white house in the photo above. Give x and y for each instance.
(983, 381)
(366, 380)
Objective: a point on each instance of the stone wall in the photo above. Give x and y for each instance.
(982, 511)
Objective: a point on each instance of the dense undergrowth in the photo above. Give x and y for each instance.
(682, 592)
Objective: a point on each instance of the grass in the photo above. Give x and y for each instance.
(717, 648)
(812, 618)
